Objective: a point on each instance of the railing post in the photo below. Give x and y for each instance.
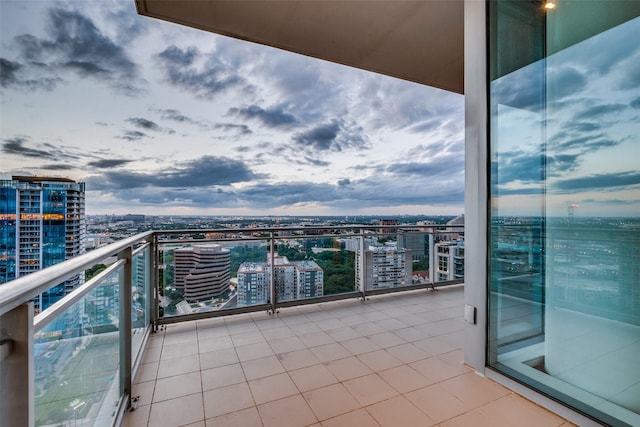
(17, 367)
(154, 282)
(125, 325)
(432, 258)
(362, 266)
(272, 272)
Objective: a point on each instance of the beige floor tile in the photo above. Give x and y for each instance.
(164, 414)
(144, 392)
(152, 354)
(180, 336)
(474, 390)
(398, 411)
(357, 418)
(246, 338)
(408, 353)
(404, 378)
(387, 339)
(214, 359)
(210, 332)
(329, 352)
(436, 370)
(328, 402)
(272, 388)
(137, 418)
(182, 349)
(315, 339)
(298, 359)
(227, 399)
(436, 402)
(370, 389)
(278, 333)
(312, 377)
(183, 365)
(147, 372)
(206, 345)
(515, 410)
(343, 334)
(262, 367)
(222, 376)
(254, 351)
(369, 328)
(180, 385)
(286, 345)
(411, 334)
(360, 346)
(288, 412)
(244, 418)
(434, 346)
(348, 368)
(379, 360)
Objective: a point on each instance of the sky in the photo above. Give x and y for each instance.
(157, 118)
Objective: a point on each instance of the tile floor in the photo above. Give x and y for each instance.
(392, 361)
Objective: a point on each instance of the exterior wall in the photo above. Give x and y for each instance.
(385, 267)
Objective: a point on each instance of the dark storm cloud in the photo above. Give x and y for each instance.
(582, 127)
(180, 67)
(16, 75)
(132, 135)
(635, 103)
(18, 146)
(242, 149)
(431, 169)
(598, 181)
(75, 44)
(232, 127)
(108, 163)
(202, 172)
(275, 117)
(332, 136)
(585, 144)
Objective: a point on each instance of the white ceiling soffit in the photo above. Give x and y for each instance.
(420, 41)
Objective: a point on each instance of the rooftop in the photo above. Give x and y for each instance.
(393, 360)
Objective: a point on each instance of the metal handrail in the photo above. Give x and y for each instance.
(25, 288)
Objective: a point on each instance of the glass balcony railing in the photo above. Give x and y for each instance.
(74, 362)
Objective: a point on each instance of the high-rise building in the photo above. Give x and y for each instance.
(202, 271)
(384, 267)
(292, 280)
(43, 223)
(449, 261)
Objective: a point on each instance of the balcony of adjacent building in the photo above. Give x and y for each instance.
(122, 349)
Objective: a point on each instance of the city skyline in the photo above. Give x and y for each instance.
(161, 119)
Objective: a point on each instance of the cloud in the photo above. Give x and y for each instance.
(75, 44)
(531, 167)
(232, 127)
(275, 117)
(203, 75)
(635, 103)
(144, 124)
(175, 115)
(17, 146)
(133, 135)
(108, 163)
(201, 172)
(565, 81)
(58, 167)
(332, 136)
(596, 112)
(598, 181)
(16, 75)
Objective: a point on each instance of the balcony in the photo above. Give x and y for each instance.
(360, 356)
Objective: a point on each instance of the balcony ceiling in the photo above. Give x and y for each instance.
(420, 41)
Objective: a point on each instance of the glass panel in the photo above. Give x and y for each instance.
(564, 277)
(199, 277)
(140, 300)
(76, 356)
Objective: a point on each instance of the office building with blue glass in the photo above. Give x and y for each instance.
(43, 223)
